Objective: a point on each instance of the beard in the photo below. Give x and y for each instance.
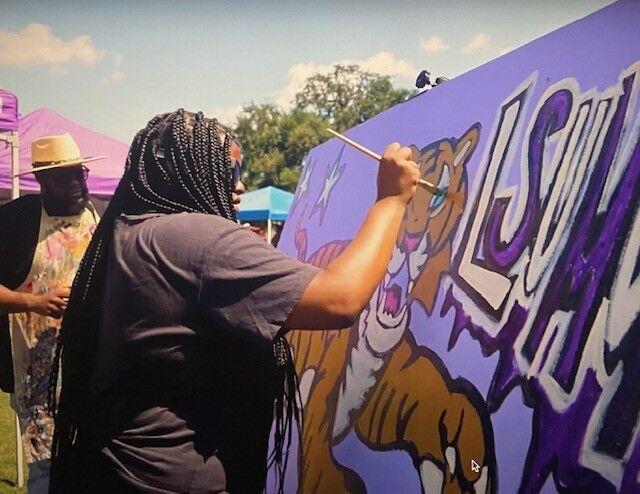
(70, 204)
(78, 205)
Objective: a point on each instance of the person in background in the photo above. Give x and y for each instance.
(276, 238)
(259, 231)
(44, 238)
(172, 345)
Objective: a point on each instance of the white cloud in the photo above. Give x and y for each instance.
(296, 76)
(115, 78)
(384, 63)
(227, 115)
(117, 75)
(37, 45)
(478, 42)
(434, 44)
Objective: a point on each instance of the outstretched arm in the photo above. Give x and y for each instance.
(336, 295)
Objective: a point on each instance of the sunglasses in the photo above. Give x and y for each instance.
(236, 172)
(64, 176)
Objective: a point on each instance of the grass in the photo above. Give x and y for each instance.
(8, 475)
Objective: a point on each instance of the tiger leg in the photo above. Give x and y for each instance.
(320, 357)
(414, 408)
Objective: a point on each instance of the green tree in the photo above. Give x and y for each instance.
(349, 95)
(275, 141)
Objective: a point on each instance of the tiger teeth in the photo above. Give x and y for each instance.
(389, 320)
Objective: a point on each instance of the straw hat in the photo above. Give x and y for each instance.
(56, 151)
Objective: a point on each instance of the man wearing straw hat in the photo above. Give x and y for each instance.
(44, 238)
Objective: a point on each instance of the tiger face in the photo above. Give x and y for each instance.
(422, 252)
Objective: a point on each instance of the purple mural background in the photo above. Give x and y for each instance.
(538, 310)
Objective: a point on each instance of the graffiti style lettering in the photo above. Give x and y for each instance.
(551, 282)
(489, 284)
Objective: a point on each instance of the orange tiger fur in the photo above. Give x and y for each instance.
(413, 404)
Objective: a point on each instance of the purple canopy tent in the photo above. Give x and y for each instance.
(9, 134)
(8, 111)
(105, 174)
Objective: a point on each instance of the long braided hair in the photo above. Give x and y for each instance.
(177, 163)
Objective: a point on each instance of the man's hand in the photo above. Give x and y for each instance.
(51, 304)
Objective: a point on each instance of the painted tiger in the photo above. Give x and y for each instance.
(373, 378)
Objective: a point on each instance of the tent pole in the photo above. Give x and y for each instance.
(15, 165)
(269, 231)
(15, 193)
(19, 454)
(12, 139)
(14, 142)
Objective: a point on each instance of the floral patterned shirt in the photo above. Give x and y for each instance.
(62, 241)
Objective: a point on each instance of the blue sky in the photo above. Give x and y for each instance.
(113, 65)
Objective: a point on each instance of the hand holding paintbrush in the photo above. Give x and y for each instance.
(424, 183)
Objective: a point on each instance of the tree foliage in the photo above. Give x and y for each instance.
(349, 95)
(275, 141)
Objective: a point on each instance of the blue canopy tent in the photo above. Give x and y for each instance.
(267, 204)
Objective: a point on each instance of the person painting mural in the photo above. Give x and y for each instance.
(172, 350)
(44, 238)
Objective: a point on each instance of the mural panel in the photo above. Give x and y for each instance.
(500, 354)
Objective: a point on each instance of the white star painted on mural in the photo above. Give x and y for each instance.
(329, 183)
(303, 185)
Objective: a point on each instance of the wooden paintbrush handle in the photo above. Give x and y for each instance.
(425, 183)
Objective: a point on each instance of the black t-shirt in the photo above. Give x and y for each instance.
(19, 224)
(182, 392)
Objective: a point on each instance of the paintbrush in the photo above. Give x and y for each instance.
(425, 183)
